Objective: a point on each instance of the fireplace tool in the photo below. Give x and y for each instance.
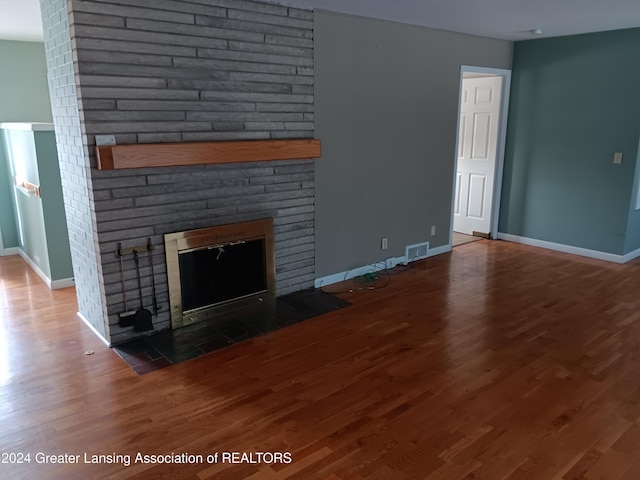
(126, 317)
(153, 277)
(143, 316)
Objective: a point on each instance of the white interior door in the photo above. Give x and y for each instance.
(477, 151)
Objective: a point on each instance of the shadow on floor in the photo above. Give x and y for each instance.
(170, 347)
(462, 238)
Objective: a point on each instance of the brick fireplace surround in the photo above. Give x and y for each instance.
(177, 71)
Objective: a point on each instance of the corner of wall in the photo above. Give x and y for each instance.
(632, 237)
(8, 229)
(74, 163)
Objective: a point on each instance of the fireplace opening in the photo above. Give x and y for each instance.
(212, 275)
(216, 270)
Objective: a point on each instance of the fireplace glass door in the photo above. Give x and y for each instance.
(215, 271)
(213, 275)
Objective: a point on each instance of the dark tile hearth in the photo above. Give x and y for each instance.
(145, 355)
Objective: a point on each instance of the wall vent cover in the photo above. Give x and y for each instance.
(417, 252)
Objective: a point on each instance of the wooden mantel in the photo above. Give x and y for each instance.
(116, 157)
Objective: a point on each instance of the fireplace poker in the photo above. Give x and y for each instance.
(153, 277)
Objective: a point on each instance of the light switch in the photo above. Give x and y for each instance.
(617, 158)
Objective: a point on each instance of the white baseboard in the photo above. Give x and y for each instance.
(35, 267)
(432, 252)
(52, 284)
(11, 251)
(358, 271)
(559, 247)
(62, 283)
(93, 329)
(630, 256)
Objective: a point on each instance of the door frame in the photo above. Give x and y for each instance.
(500, 147)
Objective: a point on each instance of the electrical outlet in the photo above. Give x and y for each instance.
(617, 158)
(384, 243)
(433, 230)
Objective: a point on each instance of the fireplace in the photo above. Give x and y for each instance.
(217, 183)
(216, 270)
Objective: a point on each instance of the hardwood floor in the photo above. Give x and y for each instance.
(496, 361)
(458, 239)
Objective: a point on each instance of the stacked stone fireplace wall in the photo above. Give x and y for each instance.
(184, 71)
(74, 166)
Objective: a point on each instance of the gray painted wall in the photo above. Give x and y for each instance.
(386, 112)
(24, 97)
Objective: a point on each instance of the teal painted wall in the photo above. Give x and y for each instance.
(8, 227)
(633, 227)
(24, 91)
(574, 103)
(55, 223)
(23, 162)
(41, 223)
(24, 97)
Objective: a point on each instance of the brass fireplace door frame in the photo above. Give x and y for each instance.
(217, 236)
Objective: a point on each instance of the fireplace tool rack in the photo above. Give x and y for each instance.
(140, 319)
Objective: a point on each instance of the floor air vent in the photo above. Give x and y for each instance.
(417, 251)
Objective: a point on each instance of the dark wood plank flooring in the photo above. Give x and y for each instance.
(496, 361)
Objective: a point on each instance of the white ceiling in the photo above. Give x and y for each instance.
(506, 19)
(20, 20)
